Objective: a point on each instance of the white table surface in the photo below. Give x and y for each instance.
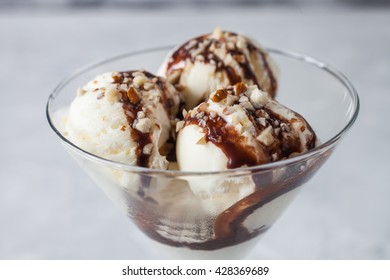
(50, 209)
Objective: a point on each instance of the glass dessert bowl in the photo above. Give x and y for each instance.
(248, 200)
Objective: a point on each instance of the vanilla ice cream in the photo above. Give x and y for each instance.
(206, 63)
(125, 117)
(239, 126)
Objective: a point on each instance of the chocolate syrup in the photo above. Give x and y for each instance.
(130, 109)
(228, 140)
(228, 227)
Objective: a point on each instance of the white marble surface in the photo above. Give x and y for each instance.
(49, 209)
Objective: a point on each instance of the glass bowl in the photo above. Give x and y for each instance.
(181, 224)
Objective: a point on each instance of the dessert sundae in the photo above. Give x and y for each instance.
(210, 108)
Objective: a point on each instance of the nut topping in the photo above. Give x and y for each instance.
(219, 95)
(133, 95)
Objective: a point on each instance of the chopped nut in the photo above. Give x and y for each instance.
(241, 42)
(239, 58)
(212, 46)
(230, 45)
(228, 110)
(148, 86)
(239, 128)
(199, 57)
(212, 114)
(112, 94)
(266, 136)
(240, 88)
(285, 127)
(200, 115)
(123, 127)
(247, 105)
(179, 125)
(184, 113)
(219, 95)
(133, 96)
(243, 99)
(230, 99)
(261, 121)
(140, 80)
(202, 141)
(193, 113)
(202, 123)
(190, 44)
(147, 149)
(203, 107)
(217, 33)
(140, 115)
(137, 73)
(117, 77)
(143, 125)
(123, 87)
(259, 98)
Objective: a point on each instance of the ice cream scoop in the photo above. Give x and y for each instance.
(240, 126)
(206, 63)
(125, 117)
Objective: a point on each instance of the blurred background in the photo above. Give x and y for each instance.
(167, 3)
(49, 209)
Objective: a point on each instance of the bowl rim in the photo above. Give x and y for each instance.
(323, 147)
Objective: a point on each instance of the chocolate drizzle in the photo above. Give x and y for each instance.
(286, 143)
(227, 139)
(142, 139)
(207, 55)
(229, 228)
(233, 144)
(132, 103)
